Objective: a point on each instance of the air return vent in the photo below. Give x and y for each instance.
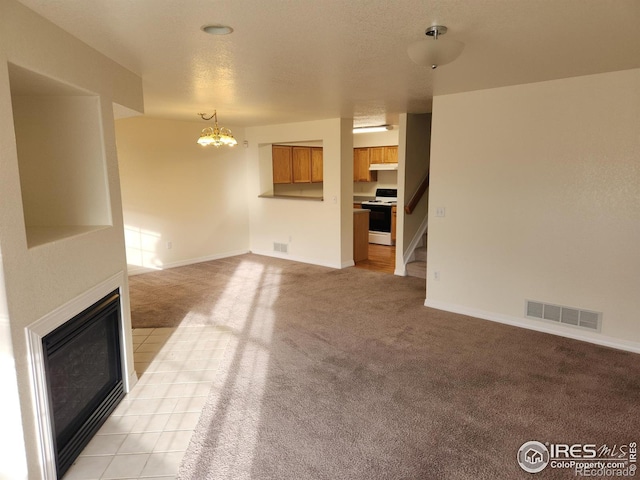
(566, 315)
(280, 247)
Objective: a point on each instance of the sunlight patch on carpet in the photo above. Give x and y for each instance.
(246, 308)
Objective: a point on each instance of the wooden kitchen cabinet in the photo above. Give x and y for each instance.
(293, 164)
(282, 167)
(376, 154)
(361, 162)
(360, 235)
(301, 164)
(388, 154)
(394, 216)
(317, 165)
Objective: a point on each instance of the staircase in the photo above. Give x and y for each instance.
(418, 266)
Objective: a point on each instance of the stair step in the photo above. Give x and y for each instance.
(420, 254)
(417, 269)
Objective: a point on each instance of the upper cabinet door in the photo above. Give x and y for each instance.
(282, 168)
(387, 154)
(360, 159)
(301, 164)
(317, 165)
(376, 154)
(361, 162)
(297, 164)
(390, 154)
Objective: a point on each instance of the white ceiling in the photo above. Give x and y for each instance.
(296, 60)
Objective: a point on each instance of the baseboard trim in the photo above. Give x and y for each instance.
(136, 270)
(295, 258)
(559, 330)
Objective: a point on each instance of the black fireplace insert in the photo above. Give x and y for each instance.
(84, 377)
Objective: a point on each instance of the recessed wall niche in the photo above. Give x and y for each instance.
(61, 158)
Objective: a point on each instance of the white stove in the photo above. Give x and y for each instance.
(380, 215)
(384, 196)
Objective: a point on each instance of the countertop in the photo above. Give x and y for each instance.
(359, 199)
(292, 197)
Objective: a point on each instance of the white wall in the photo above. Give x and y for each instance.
(318, 232)
(176, 191)
(61, 166)
(39, 280)
(386, 179)
(541, 186)
(376, 139)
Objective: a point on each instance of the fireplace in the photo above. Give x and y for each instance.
(83, 373)
(59, 436)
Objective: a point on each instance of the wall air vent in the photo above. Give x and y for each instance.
(565, 315)
(280, 247)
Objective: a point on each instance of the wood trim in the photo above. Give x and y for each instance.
(394, 219)
(411, 204)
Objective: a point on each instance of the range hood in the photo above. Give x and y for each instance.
(383, 166)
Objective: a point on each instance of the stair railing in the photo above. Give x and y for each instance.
(411, 204)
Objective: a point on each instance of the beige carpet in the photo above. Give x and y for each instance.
(344, 374)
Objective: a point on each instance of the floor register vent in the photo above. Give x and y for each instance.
(567, 315)
(280, 247)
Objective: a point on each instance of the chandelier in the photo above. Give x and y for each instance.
(215, 135)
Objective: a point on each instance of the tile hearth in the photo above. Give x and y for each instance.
(147, 435)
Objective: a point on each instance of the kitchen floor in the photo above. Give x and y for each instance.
(149, 431)
(382, 258)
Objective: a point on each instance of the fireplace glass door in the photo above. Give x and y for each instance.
(84, 376)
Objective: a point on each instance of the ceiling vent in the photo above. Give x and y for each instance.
(566, 315)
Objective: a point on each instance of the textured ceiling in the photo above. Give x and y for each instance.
(296, 60)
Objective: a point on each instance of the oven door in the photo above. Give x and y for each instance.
(379, 217)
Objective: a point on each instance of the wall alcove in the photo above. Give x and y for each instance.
(61, 157)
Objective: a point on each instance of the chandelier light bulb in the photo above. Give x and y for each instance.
(215, 135)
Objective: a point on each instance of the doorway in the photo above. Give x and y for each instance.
(382, 258)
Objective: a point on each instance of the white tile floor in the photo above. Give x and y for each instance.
(150, 430)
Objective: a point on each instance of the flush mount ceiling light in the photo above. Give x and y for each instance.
(379, 128)
(217, 29)
(215, 135)
(435, 51)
